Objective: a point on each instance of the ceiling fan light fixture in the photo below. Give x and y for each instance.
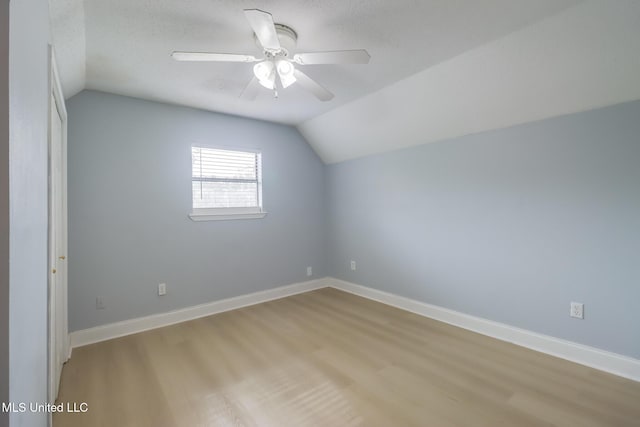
(265, 72)
(262, 70)
(286, 72)
(285, 68)
(269, 83)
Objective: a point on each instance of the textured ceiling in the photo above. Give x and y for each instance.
(439, 68)
(585, 57)
(123, 46)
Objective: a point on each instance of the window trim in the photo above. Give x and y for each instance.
(222, 214)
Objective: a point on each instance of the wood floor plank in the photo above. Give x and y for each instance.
(329, 358)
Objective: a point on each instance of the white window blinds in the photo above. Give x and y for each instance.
(226, 179)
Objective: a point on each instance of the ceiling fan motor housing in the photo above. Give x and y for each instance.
(288, 39)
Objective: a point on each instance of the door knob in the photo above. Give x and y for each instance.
(62, 257)
(53, 271)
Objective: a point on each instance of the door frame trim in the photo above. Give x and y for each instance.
(55, 90)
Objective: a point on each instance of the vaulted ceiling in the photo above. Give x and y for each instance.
(439, 68)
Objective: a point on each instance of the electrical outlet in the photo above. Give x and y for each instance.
(353, 265)
(309, 271)
(100, 303)
(577, 310)
(162, 289)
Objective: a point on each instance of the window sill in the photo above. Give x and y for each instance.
(225, 216)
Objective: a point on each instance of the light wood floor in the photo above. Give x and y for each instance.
(328, 358)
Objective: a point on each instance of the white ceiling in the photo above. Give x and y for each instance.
(68, 36)
(583, 58)
(124, 46)
(439, 68)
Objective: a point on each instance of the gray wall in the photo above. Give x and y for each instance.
(509, 225)
(4, 207)
(130, 193)
(28, 92)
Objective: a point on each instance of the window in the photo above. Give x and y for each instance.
(226, 184)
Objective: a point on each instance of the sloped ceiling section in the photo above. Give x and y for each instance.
(68, 36)
(128, 46)
(585, 57)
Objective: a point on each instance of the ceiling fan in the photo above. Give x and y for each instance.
(277, 66)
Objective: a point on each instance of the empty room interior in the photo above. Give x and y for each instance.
(320, 213)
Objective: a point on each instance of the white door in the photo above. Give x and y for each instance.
(58, 336)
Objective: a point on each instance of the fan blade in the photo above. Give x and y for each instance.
(359, 56)
(206, 56)
(262, 24)
(250, 91)
(312, 86)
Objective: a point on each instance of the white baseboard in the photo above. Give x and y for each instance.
(140, 324)
(589, 356)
